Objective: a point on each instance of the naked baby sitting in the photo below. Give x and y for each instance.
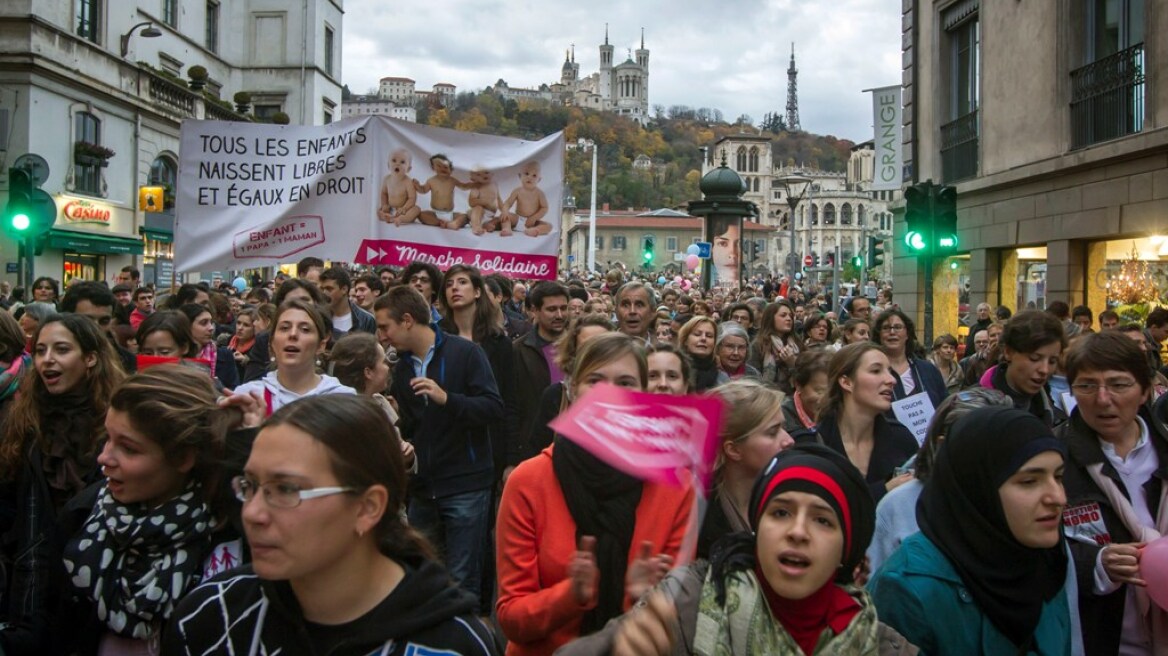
(399, 199)
(530, 204)
(483, 199)
(441, 188)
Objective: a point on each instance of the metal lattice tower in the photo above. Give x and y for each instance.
(792, 93)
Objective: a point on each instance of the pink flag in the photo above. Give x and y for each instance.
(655, 437)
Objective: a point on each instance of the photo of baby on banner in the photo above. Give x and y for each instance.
(369, 190)
(459, 193)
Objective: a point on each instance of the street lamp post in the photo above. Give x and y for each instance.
(150, 32)
(592, 212)
(796, 185)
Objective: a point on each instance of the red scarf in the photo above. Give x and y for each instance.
(240, 347)
(804, 418)
(831, 607)
(737, 373)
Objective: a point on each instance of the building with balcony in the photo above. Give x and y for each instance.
(99, 89)
(1056, 139)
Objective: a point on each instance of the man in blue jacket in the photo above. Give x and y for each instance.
(447, 397)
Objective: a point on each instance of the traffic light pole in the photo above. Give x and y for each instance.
(29, 253)
(927, 262)
(835, 281)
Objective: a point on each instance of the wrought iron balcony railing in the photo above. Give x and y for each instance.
(1107, 98)
(959, 147)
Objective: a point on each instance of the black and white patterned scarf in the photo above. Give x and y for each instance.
(136, 562)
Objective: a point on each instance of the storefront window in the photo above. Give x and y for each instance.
(1135, 274)
(83, 266)
(158, 262)
(1031, 279)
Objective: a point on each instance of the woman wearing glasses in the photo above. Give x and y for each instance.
(1117, 498)
(895, 332)
(334, 570)
(732, 346)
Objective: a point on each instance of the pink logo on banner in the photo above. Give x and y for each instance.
(655, 437)
(383, 252)
(284, 238)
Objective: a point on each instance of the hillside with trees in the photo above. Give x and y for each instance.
(672, 141)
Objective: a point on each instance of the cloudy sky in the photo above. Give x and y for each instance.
(731, 55)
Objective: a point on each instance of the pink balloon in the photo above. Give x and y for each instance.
(1154, 570)
(686, 285)
(692, 261)
(677, 279)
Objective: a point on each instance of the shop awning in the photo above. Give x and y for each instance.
(157, 234)
(91, 242)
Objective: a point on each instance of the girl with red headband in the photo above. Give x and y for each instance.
(782, 587)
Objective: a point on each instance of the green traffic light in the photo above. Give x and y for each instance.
(858, 261)
(20, 221)
(648, 256)
(915, 241)
(947, 241)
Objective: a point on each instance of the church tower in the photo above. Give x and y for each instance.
(643, 62)
(606, 68)
(570, 73)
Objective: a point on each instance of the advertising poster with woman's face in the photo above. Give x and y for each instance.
(725, 265)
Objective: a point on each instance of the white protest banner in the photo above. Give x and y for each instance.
(369, 190)
(886, 117)
(915, 412)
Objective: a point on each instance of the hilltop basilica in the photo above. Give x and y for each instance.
(622, 88)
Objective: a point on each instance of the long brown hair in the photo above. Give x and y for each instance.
(23, 421)
(766, 328)
(488, 316)
(845, 362)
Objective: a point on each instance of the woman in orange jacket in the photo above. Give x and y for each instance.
(576, 537)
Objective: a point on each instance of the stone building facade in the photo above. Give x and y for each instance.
(1056, 140)
(116, 75)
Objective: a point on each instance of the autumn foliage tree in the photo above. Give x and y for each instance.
(672, 141)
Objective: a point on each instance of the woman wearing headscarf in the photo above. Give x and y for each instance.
(782, 587)
(986, 574)
(896, 513)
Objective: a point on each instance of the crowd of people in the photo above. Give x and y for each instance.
(357, 462)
